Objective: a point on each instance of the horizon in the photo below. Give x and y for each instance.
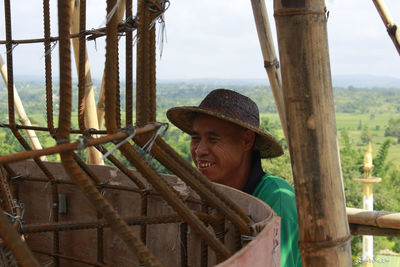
(219, 39)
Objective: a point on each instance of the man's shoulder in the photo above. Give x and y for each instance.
(278, 194)
(274, 183)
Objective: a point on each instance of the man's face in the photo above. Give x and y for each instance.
(218, 147)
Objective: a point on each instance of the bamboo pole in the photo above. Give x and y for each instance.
(359, 229)
(324, 235)
(382, 219)
(94, 156)
(271, 62)
(387, 19)
(101, 100)
(23, 118)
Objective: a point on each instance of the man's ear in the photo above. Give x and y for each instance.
(249, 138)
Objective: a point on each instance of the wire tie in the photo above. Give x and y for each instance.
(110, 15)
(62, 141)
(221, 234)
(53, 45)
(15, 178)
(145, 191)
(82, 143)
(130, 129)
(13, 46)
(147, 147)
(46, 186)
(12, 217)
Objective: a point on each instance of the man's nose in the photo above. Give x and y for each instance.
(202, 148)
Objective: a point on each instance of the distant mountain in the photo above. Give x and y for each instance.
(359, 81)
(366, 81)
(354, 80)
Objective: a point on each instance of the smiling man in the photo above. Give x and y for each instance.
(227, 146)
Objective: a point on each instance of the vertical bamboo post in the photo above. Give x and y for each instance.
(324, 235)
(271, 62)
(94, 156)
(23, 118)
(392, 28)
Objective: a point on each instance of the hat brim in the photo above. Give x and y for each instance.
(266, 144)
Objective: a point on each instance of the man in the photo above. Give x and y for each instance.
(227, 146)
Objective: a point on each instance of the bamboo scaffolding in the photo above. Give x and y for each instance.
(392, 28)
(23, 118)
(271, 62)
(89, 109)
(324, 235)
(382, 219)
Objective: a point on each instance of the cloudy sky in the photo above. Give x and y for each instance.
(218, 39)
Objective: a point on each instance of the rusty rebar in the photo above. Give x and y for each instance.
(5, 192)
(145, 65)
(184, 244)
(135, 158)
(128, 69)
(175, 163)
(81, 67)
(47, 57)
(14, 242)
(47, 129)
(127, 26)
(64, 147)
(72, 169)
(102, 223)
(70, 258)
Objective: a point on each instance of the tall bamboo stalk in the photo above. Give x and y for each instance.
(324, 235)
(392, 28)
(23, 118)
(271, 62)
(94, 156)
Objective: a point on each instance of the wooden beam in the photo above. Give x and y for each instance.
(324, 234)
(381, 219)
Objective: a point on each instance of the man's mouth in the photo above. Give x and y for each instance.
(204, 164)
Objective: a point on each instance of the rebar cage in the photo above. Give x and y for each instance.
(38, 200)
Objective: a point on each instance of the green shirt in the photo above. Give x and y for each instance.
(279, 195)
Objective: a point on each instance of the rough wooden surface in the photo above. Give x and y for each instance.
(324, 235)
(163, 240)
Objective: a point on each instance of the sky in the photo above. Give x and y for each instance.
(218, 39)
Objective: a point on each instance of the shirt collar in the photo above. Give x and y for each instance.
(256, 173)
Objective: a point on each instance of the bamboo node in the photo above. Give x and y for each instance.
(391, 29)
(273, 63)
(307, 247)
(298, 11)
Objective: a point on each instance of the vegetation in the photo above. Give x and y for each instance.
(361, 114)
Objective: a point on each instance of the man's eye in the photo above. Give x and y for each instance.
(195, 138)
(213, 139)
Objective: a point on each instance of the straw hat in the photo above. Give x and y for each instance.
(233, 107)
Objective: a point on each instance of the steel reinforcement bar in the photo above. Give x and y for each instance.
(72, 169)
